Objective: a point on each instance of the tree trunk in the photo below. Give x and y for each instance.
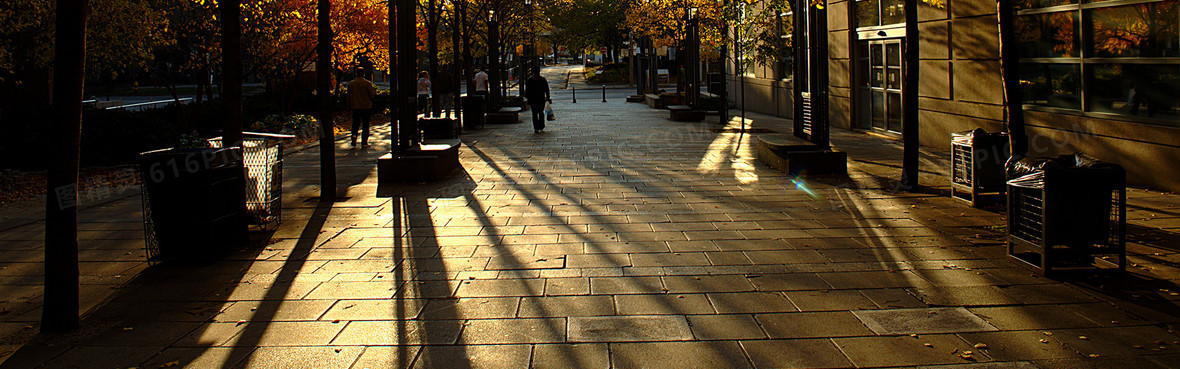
(909, 100)
(722, 94)
(323, 70)
(395, 97)
(494, 75)
(231, 74)
(456, 75)
(468, 64)
(231, 95)
(432, 50)
(1010, 72)
(60, 311)
(407, 50)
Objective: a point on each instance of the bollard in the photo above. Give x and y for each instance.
(575, 93)
(603, 93)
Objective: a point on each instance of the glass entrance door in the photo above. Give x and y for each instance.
(880, 86)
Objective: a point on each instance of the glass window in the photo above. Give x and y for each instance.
(1033, 4)
(1145, 90)
(1054, 85)
(1129, 57)
(892, 12)
(868, 13)
(1141, 30)
(871, 13)
(1047, 35)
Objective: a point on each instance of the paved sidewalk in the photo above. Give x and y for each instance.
(618, 238)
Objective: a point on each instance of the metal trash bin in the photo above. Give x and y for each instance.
(977, 166)
(473, 111)
(1067, 214)
(264, 176)
(189, 212)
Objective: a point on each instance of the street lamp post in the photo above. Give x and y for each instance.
(493, 60)
(692, 59)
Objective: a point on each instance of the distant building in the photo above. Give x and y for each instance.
(1100, 77)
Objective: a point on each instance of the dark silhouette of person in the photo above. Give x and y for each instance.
(444, 89)
(536, 91)
(360, 100)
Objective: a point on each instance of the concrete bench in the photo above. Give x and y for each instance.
(439, 128)
(654, 101)
(635, 98)
(506, 115)
(430, 160)
(795, 156)
(685, 113)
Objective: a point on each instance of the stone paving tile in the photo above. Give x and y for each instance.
(501, 287)
(922, 321)
(286, 334)
(700, 354)
(290, 357)
(1033, 317)
(669, 259)
(829, 300)
(392, 357)
(725, 327)
(852, 280)
(580, 355)
(292, 310)
(474, 356)
(893, 298)
(625, 285)
(907, 351)
(204, 357)
(751, 302)
(1020, 345)
(502, 331)
(353, 290)
(1149, 362)
(632, 328)
(713, 283)
(804, 353)
(565, 306)
(379, 309)
(663, 304)
(398, 332)
(964, 296)
(1118, 341)
(812, 325)
(788, 282)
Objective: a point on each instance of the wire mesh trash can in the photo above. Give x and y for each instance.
(1067, 214)
(264, 176)
(189, 212)
(977, 166)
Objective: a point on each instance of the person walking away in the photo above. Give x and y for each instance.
(423, 91)
(360, 101)
(481, 83)
(445, 93)
(536, 91)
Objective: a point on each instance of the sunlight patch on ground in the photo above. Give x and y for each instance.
(732, 151)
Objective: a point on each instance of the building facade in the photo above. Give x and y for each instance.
(1098, 77)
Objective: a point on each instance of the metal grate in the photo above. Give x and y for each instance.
(1028, 213)
(962, 164)
(264, 178)
(807, 116)
(151, 243)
